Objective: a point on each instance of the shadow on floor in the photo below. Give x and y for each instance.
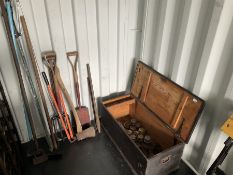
(96, 156)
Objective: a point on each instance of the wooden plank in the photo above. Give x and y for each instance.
(116, 99)
(121, 109)
(158, 132)
(177, 118)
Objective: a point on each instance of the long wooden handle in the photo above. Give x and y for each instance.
(76, 83)
(93, 100)
(36, 71)
(67, 96)
(73, 53)
(49, 55)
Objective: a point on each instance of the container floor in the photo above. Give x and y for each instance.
(96, 156)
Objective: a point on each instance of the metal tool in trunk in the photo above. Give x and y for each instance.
(93, 100)
(39, 154)
(81, 110)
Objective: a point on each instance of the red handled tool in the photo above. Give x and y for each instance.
(65, 112)
(55, 104)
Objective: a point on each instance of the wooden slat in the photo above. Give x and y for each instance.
(121, 109)
(116, 99)
(178, 118)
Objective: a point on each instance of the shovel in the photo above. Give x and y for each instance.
(81, 110)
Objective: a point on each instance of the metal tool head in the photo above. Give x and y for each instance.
(83, 114)
(87, 133)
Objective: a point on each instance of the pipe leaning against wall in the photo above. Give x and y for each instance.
(18, 70)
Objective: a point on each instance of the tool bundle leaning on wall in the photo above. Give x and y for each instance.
(56, 89)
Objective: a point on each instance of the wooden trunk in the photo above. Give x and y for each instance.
(165, 110)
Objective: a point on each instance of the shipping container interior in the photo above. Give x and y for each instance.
(188, 41)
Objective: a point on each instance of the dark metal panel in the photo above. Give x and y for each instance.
(134, 156)
(166, 161)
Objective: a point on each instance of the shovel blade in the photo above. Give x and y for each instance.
(83, 115)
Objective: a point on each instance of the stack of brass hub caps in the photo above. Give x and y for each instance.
(139, 135)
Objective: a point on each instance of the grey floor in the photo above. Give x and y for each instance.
(96, 156)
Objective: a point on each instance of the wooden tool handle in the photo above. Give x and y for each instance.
(73, 53)
(67, 96)
(49, 55)
(93, 100)
(75, 76)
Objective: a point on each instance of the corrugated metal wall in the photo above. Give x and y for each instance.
(107, 34)
(190, 41)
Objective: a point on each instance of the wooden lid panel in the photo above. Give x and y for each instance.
(162, 98)
(141, 78)
(190, 115)
(173, 104)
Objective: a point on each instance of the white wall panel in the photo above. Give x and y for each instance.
(198, 57)
(190, 41)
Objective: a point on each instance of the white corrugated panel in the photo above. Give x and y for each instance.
(190, 41)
